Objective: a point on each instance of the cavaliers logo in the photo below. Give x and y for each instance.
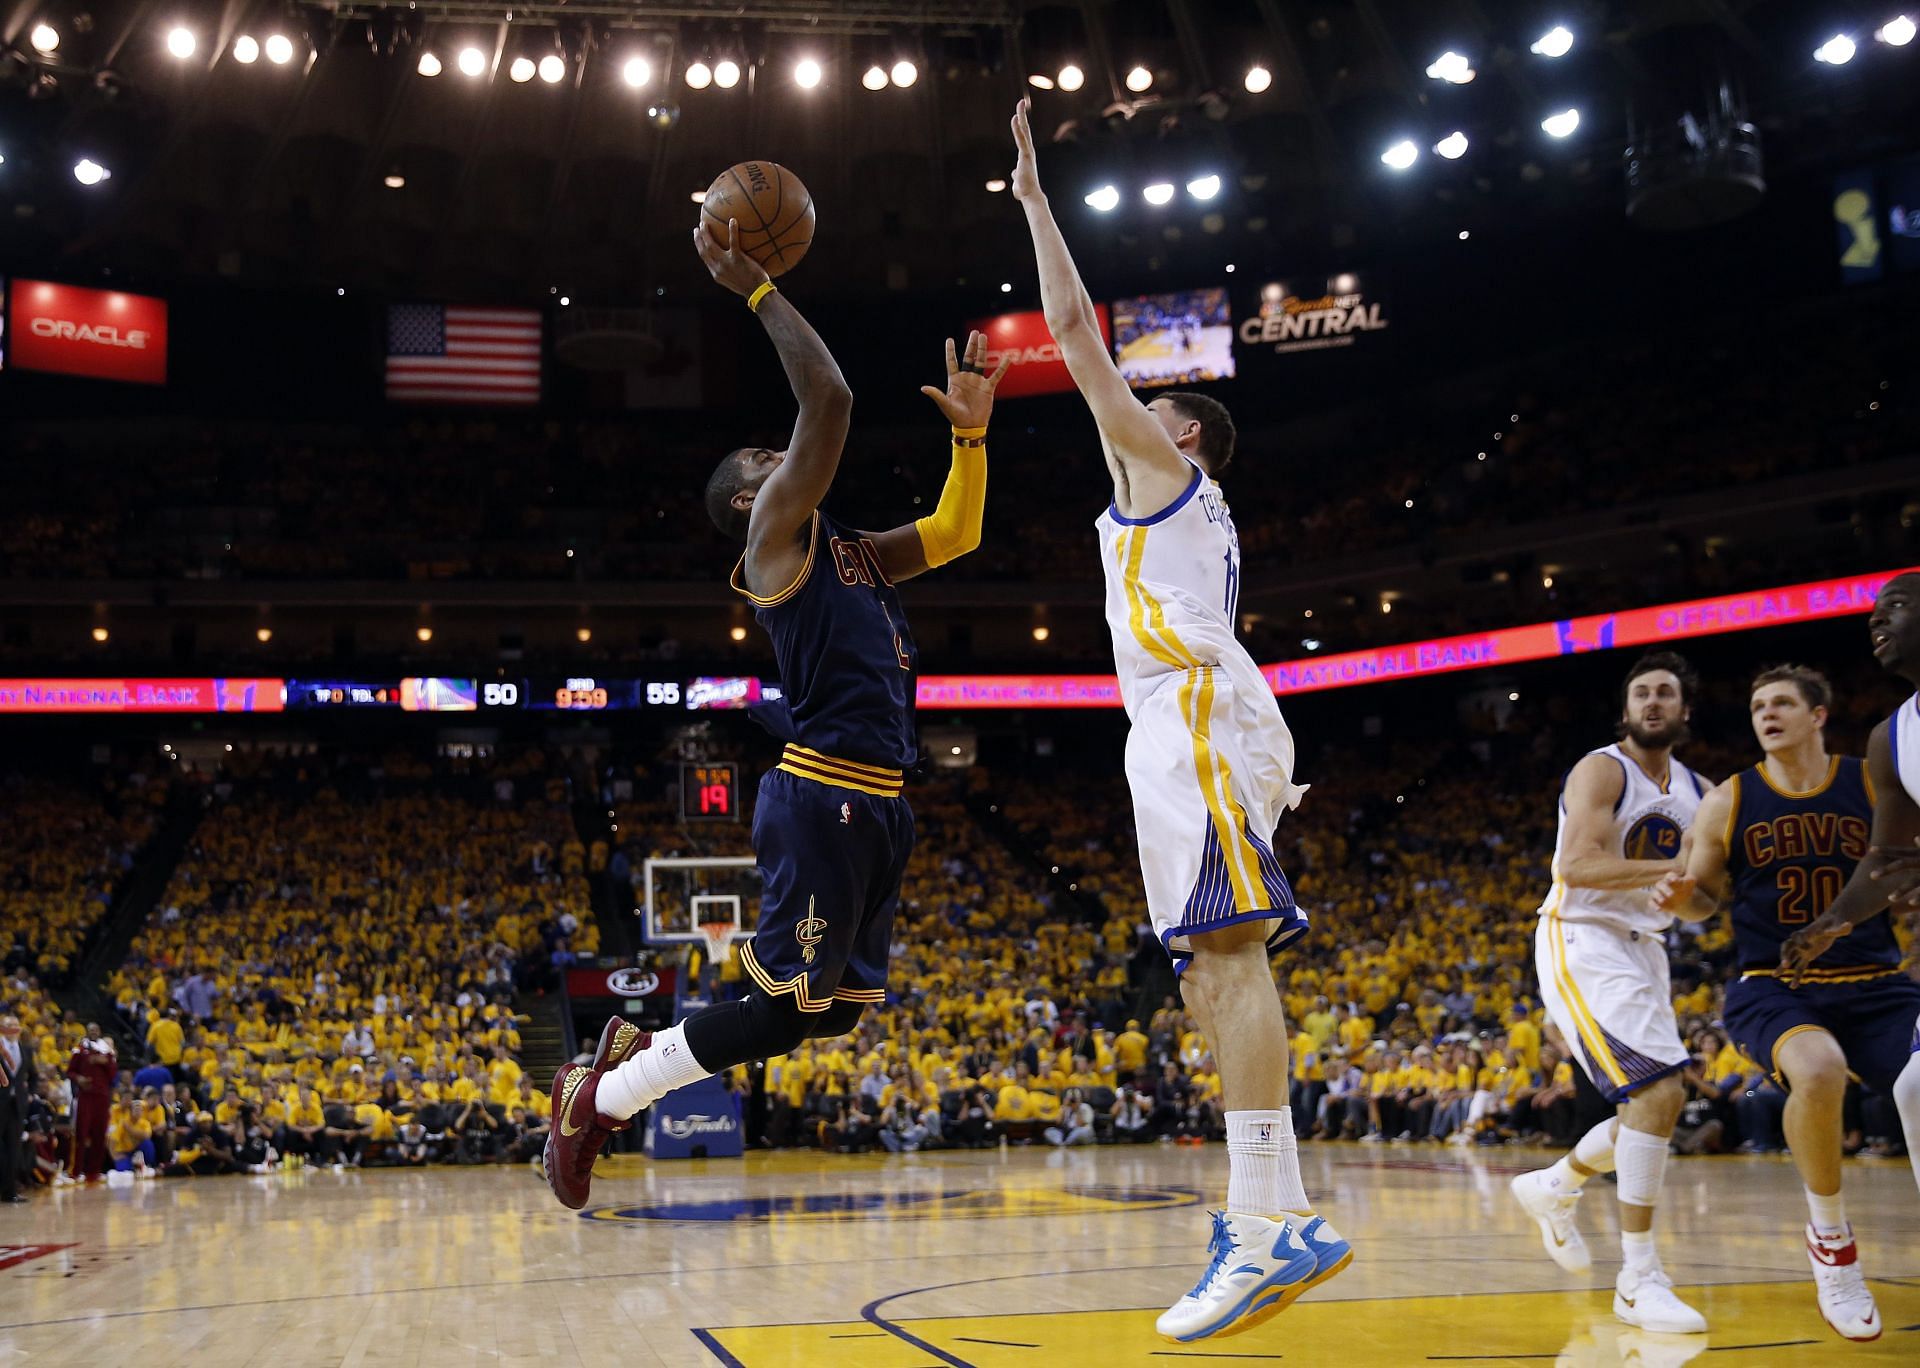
(950, 1204)
(1655, 836)
(809, 933)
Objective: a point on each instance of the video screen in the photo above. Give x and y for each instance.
(440, 695)
(1174, 339)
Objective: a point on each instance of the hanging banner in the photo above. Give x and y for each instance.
(106, 334)
(1038, 367)
(1856, 227)
(1304, 314)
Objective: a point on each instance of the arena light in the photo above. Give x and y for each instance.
(246, 49)
(423, 633)
(875, 78)
(1836, 51)
(737, 633)
(698, 197)
(1204, 187)
(1896, 32)
(996, 185)
(553, 68)
(1259, 80)
(279, 48)
(1555, 42)
(1041, 633)
(726, 74)
(1561, 125)
(637, 72)
(393, 180)
(1006, 287)
(806, 73)
(429, 65)
(521, 70)
(1401, 155)
(473, 62)
(1072, 78)
(1452, 68)
(1160, 192)
(263, 635)
(1452, 147)
(1105, 199)
(904, 73)
(583, 635)
(45, 39)
(100, 634)
(699, 76)
(181, 42)
(90, 172)
(1039, 82)
(1139, 80)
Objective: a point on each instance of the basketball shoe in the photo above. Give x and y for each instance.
(1645, 1298)
(1554, 1211)
(1845, 1301)
(1256, 1270)
(578, 1131)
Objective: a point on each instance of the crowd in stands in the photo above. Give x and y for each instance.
(329, 975)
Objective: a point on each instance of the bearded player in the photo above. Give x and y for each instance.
(1601, 954)
(831, 830)
(1210, 764)
(1781, 840)
(1889, 876)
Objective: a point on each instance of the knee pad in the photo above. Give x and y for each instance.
(1640, 1161)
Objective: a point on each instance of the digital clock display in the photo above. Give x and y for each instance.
(710, 792)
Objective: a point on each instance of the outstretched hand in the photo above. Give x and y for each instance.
(1674, 891)
(730, 266)
(968, 399)
(1026, 168)
(1808, 944)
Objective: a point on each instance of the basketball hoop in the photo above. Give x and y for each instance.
(717, 935)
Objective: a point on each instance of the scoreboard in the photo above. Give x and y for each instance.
(553, 693)
(710, 792)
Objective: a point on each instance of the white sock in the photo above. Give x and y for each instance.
(1263, 1164)
(1636, 1246)
(1829, 1213)
(664, 1065)
(1594, 1150)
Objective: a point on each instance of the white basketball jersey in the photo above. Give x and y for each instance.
(1173, 593)
(1905, 739)
(1649, 823)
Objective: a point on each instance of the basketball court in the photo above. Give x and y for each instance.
(983, 1258)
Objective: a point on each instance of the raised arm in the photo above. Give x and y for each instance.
(953, 528)
(1593, 790)
(784, 506)
(1696, 890)
(1147, 467)
(1890, 873)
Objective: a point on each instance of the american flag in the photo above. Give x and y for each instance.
(439, 354)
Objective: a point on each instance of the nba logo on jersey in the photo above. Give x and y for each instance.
(846, 814)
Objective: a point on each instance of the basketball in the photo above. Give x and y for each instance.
(774, 211)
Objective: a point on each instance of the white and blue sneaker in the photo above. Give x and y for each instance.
(1256, 1270)
(1330, 1252)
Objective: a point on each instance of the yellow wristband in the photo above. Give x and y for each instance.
(753, 300)
(970, 437)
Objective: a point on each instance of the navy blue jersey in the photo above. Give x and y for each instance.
(845, 656)
(1790, 854)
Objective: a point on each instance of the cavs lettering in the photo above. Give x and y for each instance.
(1797, 834)
(858, 562)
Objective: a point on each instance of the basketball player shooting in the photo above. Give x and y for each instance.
(1210, 764)
(831, 830)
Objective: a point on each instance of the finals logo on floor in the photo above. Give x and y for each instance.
(955, 1204)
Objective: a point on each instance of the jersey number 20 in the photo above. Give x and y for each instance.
(1807, 893)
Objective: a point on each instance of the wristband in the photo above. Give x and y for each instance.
(766, 288)
(970, 437)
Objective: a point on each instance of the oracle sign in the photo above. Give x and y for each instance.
(1038, 367)
(108, 334)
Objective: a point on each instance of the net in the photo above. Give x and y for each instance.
(718, 935)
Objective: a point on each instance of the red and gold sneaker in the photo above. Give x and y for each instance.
(577, 1135)
(619, 1041)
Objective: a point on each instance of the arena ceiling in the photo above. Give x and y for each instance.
(344, 165)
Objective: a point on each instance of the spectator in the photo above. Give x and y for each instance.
(1076, 1122)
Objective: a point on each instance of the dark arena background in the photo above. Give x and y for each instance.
(377, 720)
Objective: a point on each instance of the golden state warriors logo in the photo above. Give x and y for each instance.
(952, 1205)
(809, 933)
(1655, 836)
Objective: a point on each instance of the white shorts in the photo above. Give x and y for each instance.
(1210, 769)
(1609, 992)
